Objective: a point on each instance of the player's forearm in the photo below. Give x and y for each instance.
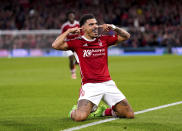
(59, 43)
(121, 32)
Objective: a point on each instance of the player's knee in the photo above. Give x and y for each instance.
(126, 114)
(130, 115)
(80, 116)
(123, 109)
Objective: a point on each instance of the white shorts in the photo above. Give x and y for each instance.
(68, 53)
(106, 91)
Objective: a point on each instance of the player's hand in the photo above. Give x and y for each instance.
(75, 30)
(107, 27)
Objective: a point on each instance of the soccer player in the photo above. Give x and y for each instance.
(97, 84)
(71, 23)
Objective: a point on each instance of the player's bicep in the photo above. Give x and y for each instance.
(58, 46)
(65, 46)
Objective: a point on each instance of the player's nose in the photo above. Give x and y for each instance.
(96, 26)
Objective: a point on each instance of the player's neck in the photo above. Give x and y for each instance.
(71, 22)
(88, 37)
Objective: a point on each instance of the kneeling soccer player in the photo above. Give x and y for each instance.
(91, 49)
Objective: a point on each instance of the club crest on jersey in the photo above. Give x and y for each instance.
(100, 43)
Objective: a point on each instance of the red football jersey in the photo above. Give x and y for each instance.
(68, 25)
(93, 57)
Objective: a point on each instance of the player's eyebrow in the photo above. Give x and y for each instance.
(93, 23)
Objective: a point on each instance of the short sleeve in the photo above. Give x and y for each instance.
(111, 39)
(72, 44)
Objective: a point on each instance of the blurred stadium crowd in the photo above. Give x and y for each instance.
(151, 22)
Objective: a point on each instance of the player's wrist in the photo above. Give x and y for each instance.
(113, 27)
(68, 31)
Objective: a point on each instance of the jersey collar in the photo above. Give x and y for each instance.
(74, 23)
(88, 39)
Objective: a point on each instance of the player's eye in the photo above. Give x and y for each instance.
(91, 24)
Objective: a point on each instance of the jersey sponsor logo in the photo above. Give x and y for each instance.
(87, 53)
(93, 52)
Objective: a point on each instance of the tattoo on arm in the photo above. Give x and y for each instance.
(121, 32)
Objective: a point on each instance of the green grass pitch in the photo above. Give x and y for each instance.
(36, 94)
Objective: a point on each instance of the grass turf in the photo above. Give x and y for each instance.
(37, 93)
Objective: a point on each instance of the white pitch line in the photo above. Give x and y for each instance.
(111, 119)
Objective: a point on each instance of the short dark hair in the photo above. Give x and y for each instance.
(85, 17)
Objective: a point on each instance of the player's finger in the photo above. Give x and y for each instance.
(100, 26)
(78, 29)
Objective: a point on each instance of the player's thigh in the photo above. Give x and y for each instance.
(123, 106)
(83, 110)
(71, 58)
(85, 106)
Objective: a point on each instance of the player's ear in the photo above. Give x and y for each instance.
(83, 27)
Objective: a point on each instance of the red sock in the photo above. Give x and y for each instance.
(109, 112)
